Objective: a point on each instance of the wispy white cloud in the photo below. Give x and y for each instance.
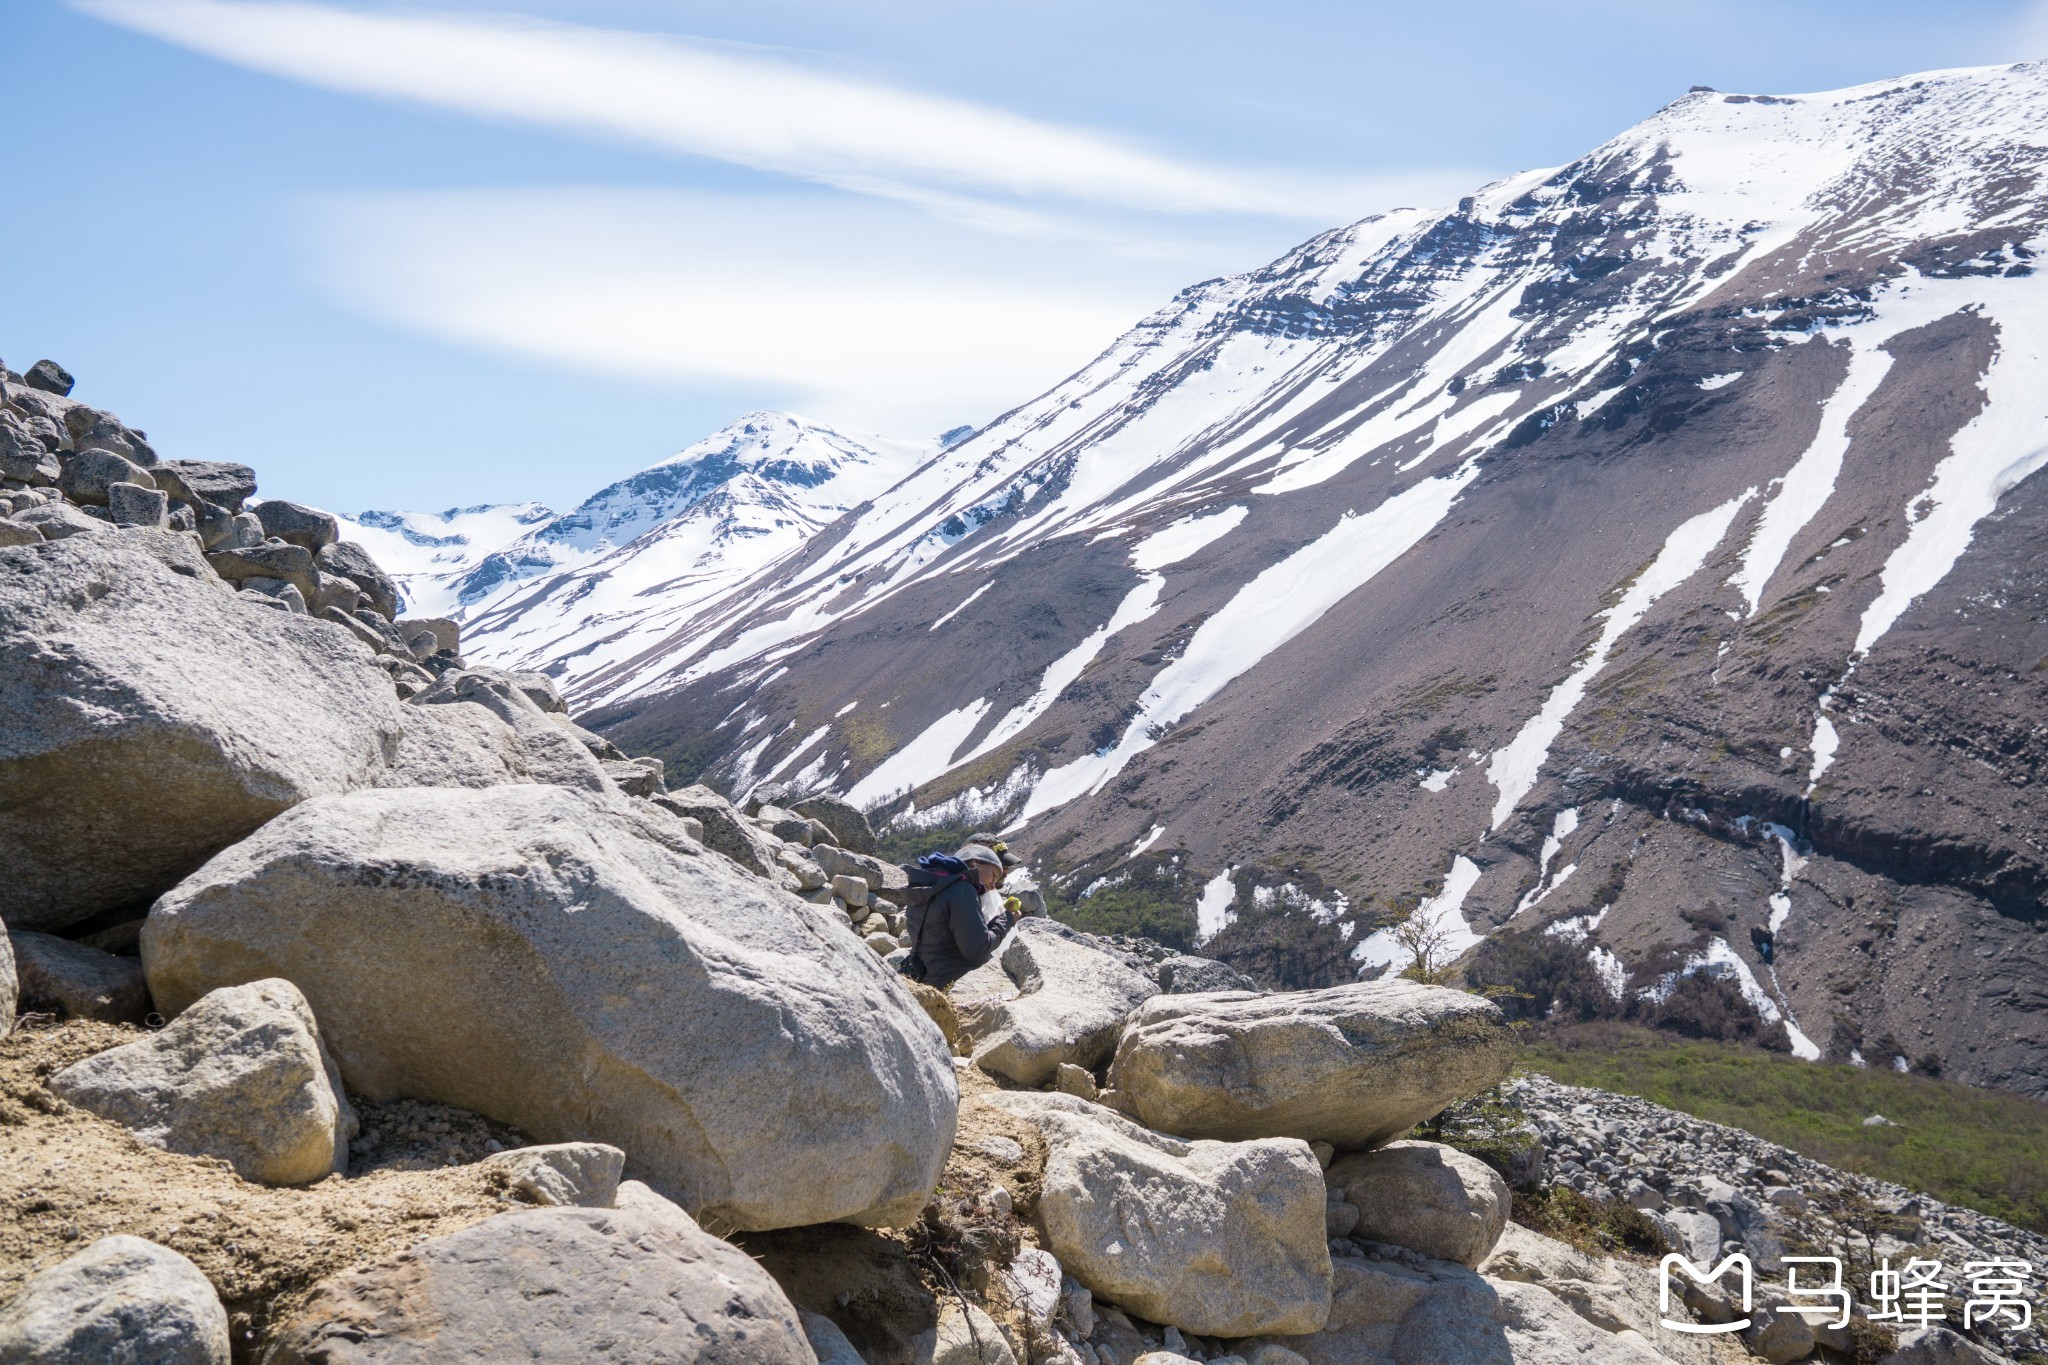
(721, 101)
(857, 311)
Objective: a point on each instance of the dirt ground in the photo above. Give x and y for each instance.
(883, 1287)
(68, 1178)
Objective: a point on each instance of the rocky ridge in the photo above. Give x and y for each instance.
(440, 967)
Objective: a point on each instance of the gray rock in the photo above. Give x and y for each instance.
(635, 776)
(121, 1301)
(852, 890)
(447, 638)
(624, 1286)
(1069, 1004)
(292, 563)
(539, 688)
(841, 862)
(1184, 975)
(195, 735)
(726, 831)
(50, 377)
(568, 956)
(274, 592)
(561, 1174)
(297, 524)
(241, 1074)
(332, 592)
(57, 976)
(1350, 1065)
(1426, 1197)
(1435, 1312)
(91, 429)
(827, 1341)
(1225, 1239)
(23, 458)
(848, 825)
(133, 505)
(1933, 1345)
(15, 533)
(964, 1335)
(87, 476)
(456, 744)
(8, 986)
(552, 755)
(349, 560)
(196, 482)
(59, 521)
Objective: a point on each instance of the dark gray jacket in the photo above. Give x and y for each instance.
(951, 936)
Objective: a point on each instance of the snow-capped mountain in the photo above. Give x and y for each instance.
(583, 592)
(430, 553)
(1643, 556)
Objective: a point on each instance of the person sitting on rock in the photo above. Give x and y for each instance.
(950, 933)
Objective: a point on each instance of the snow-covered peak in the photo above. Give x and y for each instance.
(427, 551)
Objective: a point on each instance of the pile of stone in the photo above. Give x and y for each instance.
(347, 867)
(1714, 1190)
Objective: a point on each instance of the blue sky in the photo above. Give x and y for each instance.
(442, 254)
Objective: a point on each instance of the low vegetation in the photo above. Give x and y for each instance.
(1983, 1149)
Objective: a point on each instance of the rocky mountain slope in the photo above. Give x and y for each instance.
(1641, 553)
(424, 972)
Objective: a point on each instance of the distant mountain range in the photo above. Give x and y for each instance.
(1638, 565)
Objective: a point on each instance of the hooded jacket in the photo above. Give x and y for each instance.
(950, 934)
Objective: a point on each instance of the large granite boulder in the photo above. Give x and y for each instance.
(575, 966)
(240, 1075)
(1221, 1238)
(148, 720)
(1351, 1065)
(121, 1301)
(593, 1286)
(1070, 1001)
(1426, 1197)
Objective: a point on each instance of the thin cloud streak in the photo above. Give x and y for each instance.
(859, 312)
(714, 101)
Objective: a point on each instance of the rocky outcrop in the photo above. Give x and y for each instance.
(121, 1301)
(1350, 1065)
(241, 1075)
(130, 752)
(588, 1285)
(1225, 1239)
(1070, 1000)
(563, 962)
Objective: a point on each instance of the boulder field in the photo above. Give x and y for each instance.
(373, 1010)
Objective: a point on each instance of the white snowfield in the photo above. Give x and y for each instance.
(430, 553)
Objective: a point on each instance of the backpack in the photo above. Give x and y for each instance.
(929, 875)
